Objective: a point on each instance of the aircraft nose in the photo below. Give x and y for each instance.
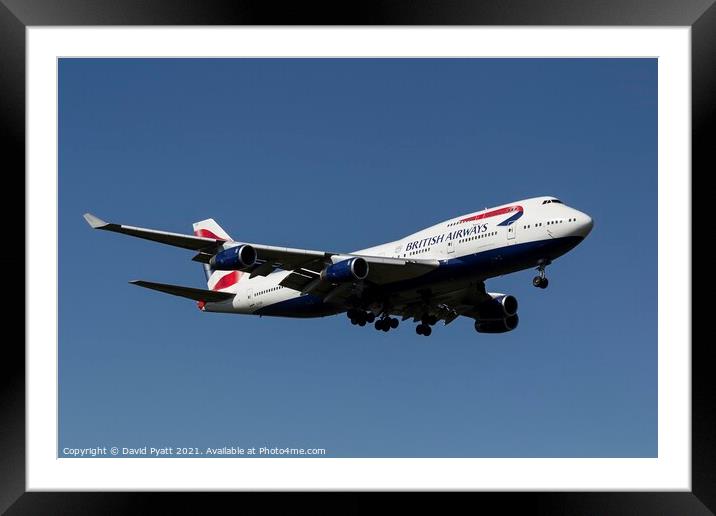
(586, 223)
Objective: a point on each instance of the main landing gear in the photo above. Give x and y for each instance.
(541, 281)
(424, 328)
(360, 317)
(386, 323)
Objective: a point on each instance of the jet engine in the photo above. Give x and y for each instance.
(498, 315)
(347, 270)
(499, 306)
(234, 259)
(497, 325)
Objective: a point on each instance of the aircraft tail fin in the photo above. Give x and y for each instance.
(210, 229)
(220, 281)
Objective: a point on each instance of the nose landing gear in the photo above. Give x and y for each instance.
(541, 281)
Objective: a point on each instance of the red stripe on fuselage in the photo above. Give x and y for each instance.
(493, 213)
(230, 279)
(207, 234)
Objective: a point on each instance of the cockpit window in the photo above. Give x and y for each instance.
(548, 201)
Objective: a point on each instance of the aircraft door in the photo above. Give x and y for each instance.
(450, 248)
(511, 231)
(250, 297)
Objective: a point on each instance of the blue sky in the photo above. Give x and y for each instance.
(339, 155)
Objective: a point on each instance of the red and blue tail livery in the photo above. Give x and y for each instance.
(435, 274)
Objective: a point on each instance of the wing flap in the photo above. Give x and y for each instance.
(202, 257)
(299, 279)
(264, 269)
(197, 294)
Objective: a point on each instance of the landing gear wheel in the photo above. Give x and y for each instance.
(394, 323)
(384, 324)
(356, 316)
(361, 322)
(370, 317)
(541, 281)
(423, 329)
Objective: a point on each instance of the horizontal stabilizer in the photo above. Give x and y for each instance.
(197, 294)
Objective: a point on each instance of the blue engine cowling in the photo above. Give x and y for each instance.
(346, 270)
(497, 325)
(234, 258)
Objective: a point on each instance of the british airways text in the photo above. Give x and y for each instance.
(459, 233)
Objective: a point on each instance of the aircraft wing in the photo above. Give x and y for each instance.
(306, 264)
(195, 243)
(381, 271)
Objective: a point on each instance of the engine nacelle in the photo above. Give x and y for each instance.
(347, 270)
(497, 325)
(234, 259)
(499, 307)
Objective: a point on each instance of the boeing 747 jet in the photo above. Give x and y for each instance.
(436, 274)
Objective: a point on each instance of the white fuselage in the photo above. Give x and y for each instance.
(476, 245)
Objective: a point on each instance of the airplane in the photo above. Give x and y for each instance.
(436, 274)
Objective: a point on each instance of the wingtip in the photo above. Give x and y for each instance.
(94, 222)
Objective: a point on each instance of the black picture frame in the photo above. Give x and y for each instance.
(16, 15)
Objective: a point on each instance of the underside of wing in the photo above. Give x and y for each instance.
(446, 305)
(389, 270)
(195, 243)
(289, 259)
(268, 258)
